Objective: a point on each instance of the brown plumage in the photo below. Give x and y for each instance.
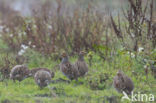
(68, 69)
(123, 83)
(19, 72)
(33, 71)
(42, 78)
(81, 64)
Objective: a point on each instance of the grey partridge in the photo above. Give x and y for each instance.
(68, 69)
(123, 83)
(42, 78)
(81, 64)
(19, 72)
(33, 71)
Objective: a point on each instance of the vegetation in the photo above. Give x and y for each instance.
(125, 42)
(96, 87)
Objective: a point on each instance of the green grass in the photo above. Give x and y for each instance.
(91, 91)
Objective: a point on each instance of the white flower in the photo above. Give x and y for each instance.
(1, 28)
(24, 47)
(34, 26)
(33, 46)
(29, 42)
(145, 66)
(49, 27)
(20, 34)
(145, 60)
(132, 34)
(11, 35)
(132, 55)
(128, 52)
(140, 49)
(7, 29)
(24, 33)
(21, 52)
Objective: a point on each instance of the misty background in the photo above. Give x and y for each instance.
(104, 6)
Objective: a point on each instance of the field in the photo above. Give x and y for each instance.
(95, 87)
(122, 40)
